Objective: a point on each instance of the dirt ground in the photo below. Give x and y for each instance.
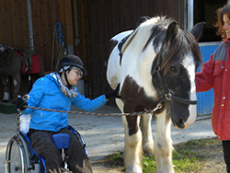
(212, 161)
(211, 155)
(105, 135)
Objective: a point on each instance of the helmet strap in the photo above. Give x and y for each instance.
(68, 85)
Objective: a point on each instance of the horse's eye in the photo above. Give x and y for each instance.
(173, 69)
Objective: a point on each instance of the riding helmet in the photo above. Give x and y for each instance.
(72, 61)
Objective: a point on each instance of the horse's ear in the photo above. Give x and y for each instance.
(197, 30)
(171, 32)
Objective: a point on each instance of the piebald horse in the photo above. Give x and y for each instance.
(155, 65)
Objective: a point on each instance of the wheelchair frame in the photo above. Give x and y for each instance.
(20, 157)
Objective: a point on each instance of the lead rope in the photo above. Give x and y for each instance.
(158, 106)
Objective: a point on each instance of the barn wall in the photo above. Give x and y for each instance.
(107, 18)
(14, 30)
(45, 13)
(87, 26)
(12, 24)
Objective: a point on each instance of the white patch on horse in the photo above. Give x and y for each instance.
(15, 82)
(2, 49)
(113, 68)
(189, 64)
(139, 68)
(121, 35)
(163, 144)
(147, 136)
(6, 96)
(133, 160)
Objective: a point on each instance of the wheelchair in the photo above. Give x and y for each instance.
(21, 158)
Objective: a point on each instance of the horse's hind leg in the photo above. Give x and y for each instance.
(133, 144)
(163, 144)
(147, 137)
(6, 86)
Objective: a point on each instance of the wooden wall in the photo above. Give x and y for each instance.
(14, 31)
(95, 20)
(13, 19)
(107, 18)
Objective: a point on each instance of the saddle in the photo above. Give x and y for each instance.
(126, 40)
(121, 43)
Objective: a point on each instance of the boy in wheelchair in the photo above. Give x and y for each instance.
(58, 91)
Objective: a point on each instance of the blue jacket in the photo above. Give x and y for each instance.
(46, 93)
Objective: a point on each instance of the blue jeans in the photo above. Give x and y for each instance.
(43, 145)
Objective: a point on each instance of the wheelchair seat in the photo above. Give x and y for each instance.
(20, 157)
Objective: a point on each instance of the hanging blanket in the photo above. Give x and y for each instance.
(31, 64)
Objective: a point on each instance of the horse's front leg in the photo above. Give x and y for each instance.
(163, 144)
(16, 82)
(133, 144)
(6, 86)
(147, 137)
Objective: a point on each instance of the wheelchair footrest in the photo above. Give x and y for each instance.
(61, 140)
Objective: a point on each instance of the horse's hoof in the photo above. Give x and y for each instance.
(135, 169)
(149, 151)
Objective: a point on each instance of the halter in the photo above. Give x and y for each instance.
(167, 95)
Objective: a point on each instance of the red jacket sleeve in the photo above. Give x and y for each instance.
(204, 79)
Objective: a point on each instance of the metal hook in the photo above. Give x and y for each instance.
(25, 97)
(168, 96)
(158, 68)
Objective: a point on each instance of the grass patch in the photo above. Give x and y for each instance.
(187, 157)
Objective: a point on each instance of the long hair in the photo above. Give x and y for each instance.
(220, 23)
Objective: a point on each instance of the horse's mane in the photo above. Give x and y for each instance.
(181, 46)
(184, 41)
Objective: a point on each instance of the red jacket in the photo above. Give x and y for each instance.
(215, 74)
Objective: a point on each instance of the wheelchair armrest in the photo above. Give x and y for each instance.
(61, 140)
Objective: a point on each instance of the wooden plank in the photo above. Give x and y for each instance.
(82, 48)
(23, 18)
(13, 23)
(35, 14)
(45, 33)
(38, 11)
(1, 20)
(8, 24)
(69, 24)
(20, 25)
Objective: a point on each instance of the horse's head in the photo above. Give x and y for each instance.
(173, 73)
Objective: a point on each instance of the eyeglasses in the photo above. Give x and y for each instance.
(79, 72)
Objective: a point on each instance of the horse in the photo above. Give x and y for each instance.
(155, 65)
(13, 63)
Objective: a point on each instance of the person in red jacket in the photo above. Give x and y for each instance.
(215, 73)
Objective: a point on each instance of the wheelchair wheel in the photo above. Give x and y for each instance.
(17, 158)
